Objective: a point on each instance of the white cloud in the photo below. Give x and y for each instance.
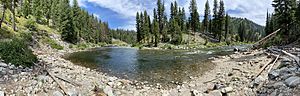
(254, 10)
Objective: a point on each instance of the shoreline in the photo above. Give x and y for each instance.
(228, 77)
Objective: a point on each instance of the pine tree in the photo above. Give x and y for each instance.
(138, 27)
(37, 9)
(221, 19)
(284, 11)
(76, 19)
(194, 17)
(54, 14)
(183, 20)
(162, 20)
(215, 18)
(241, 31)
(206, 17)
(298, 13)
(267, 28)
(227, 27)
(155, 28)
(65, 23)
(26, 10)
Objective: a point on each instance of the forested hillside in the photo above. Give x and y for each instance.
(218, 25)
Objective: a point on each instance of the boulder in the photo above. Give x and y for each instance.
(292, 81)
(278, 85)
(258, 80)
(3, 64)
(273, 75)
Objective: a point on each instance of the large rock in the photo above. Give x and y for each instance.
(292, 81)
(3, 64)
(2, 93)
(258, 80)
(273, 75)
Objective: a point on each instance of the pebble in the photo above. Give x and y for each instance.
(227, 90)
(57, 93)
(108, 90)
(72, 92)
(215, 93)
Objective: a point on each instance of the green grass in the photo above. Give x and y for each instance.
(52, 43)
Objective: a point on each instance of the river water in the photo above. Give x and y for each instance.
(154, 66)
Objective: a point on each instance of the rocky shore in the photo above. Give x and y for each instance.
(233, 75)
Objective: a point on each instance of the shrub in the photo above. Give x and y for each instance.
(31, 25)
(16, 51)
(53, 44)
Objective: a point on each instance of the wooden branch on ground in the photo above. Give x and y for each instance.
(297, 59)
(263, 68)
(68, 80)
(272, 65)
(210, 80)
(55, 79)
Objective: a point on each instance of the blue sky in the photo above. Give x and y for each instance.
(121, 13)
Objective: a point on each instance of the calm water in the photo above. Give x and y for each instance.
(153, 66)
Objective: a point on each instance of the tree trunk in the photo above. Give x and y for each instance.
(3, 15)
(14, 15)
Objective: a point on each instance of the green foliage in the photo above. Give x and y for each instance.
(194, 20)
(52, 43)
(206, 17)
(16, 51)
(31, 25)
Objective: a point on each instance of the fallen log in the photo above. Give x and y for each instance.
(297, 59)
(59, 84)
(68, 80)
(263, 40)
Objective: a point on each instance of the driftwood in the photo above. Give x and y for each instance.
(68, 80)
(210, 80)
(263, 68)
(293, 56)
(273, 63)
(59, 84)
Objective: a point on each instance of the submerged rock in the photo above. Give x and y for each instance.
(292, 81)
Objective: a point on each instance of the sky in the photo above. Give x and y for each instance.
(121, 13)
